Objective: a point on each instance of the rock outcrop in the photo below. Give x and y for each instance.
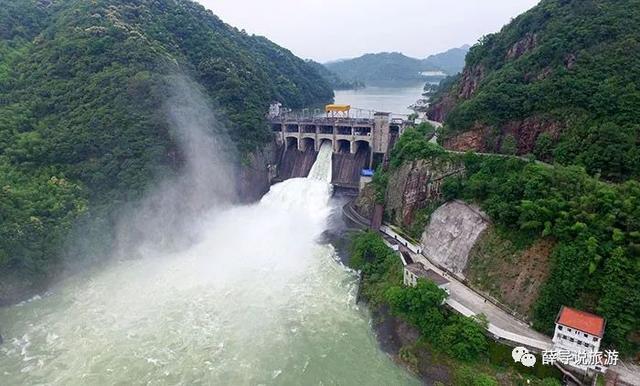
(522, 46)
(452, 232)
(257, 172)
(471, 78)
(414, 184)
(526, 132)
(473, 140)
(365, 203)
(465, 88)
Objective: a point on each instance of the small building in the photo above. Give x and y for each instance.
(274, 110)
(579, 331)
(415, 271)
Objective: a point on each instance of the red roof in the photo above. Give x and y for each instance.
(580, 320)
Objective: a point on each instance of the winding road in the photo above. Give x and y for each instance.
(503, 326)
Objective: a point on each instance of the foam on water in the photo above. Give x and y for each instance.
(256, 300)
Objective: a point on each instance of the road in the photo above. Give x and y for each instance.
(468, 302)
(501, 324)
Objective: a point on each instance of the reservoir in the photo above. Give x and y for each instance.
(388, 99)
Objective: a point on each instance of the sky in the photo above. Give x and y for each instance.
(326, 30)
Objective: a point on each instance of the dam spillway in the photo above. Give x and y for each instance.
(357, 142)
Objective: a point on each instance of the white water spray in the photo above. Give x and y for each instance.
(256, 300)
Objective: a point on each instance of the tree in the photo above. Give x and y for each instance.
(463, 337)
(509, 145)
(420, 305)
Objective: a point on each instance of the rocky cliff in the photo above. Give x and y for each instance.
(257, 172)
(414, 185)
(560, 81)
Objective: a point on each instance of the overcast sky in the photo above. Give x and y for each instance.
(330, 29)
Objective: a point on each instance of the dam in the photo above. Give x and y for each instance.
(360, 140)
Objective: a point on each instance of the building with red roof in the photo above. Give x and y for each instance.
(580, 320)
(579, 331)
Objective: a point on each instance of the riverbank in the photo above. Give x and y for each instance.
(424, 355)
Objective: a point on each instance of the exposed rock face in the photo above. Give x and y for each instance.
(452, 232)
(366, 201)
(471, 78)
(524, 45)
(570, 61)
(473, 140)
(466, 87)
(255, 176)
(526, 132)
(414, 184)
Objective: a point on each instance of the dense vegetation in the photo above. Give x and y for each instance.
(414, 144)
(445, 332)
(450, 61)
(422, 306)
(566, 75)
(333, 79)
(82, 91)
(595, 264)
(387, 68)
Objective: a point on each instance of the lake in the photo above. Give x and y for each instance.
(389, 99)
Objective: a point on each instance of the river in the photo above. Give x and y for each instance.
(255, 300)
(390, 99)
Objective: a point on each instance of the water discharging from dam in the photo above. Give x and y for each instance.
(256, 300)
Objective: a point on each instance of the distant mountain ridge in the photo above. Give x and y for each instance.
(396, 67)
(450, 61)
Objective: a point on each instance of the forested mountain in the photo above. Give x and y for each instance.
(561, 81)
(384, 67)
(390, 67)
(450, 61)
(333, 79)
(82, 86)
(558, 236)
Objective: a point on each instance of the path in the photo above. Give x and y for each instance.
(502, 325)
(468, 302)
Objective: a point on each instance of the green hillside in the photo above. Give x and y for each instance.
(333, 79)
(384, 67)
(393, 68)
(82, 85)
(561, 81)
(450, 61)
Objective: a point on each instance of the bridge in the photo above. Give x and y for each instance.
(349, 130)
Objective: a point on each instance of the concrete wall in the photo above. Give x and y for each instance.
(453, 230)
(393, 234)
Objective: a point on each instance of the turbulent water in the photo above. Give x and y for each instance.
(255, 300)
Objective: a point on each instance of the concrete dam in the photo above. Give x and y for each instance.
(360, 140)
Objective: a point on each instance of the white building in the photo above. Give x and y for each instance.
(274, 110)
(415, 271)
(579, 332)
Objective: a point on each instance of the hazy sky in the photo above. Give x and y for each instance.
(330, 29)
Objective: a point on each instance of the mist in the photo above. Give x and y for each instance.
(167, 217)
(203, 291)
